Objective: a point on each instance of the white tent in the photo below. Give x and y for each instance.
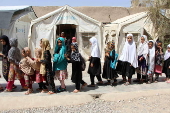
(136, 24)
(15, 22)
(47, 26)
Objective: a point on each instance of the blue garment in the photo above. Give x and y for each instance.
(113, 63)
(60, 62)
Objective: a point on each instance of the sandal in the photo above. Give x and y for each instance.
(107, 83)
(14, 87)
(127, 83)
(114, 84)
(90, 85)
(100, 83)
(50, 92)
(60, 89)
(29, 91)
(1, 88)
(44, 91)
(24, 88)
(39, 89)
(7, 90)
(85, 84)
(76, 91)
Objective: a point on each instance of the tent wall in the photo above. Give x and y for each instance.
(44, 27)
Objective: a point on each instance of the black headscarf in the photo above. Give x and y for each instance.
(7, 46)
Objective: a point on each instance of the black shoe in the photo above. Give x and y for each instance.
(137, 80)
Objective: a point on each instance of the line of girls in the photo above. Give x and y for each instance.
(146, 59)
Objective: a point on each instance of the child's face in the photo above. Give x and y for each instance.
(73, 40)
(150, 45)
(129, 39)
(3, 42)
(25, 53)
(168, 49)
(41, 44)
(142, 39)
(159, 45)
(73, 48)
(59, 43)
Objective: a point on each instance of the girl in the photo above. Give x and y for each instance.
(60, 63)
(166, 66)
(74, 40)
(142, 59)
(14, 58)
(36, 66)
(46, 65)
(95, 64)
(109, 72)
(159, 57)
(27, 69)
(76, 67)
(151, 61)
(5, 63)
(128, 59)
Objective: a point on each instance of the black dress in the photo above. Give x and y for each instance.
(96, 69)
(125, 69)
(108, 72)
(48, 67)
(76, 73)
(166, 69)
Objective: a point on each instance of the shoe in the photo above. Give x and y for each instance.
(107, 83)
(114, 84)
(29, 91)
(100, 83)
(90, 85)
(44, 91)
(7, 90)
(137, 80)
(85, 84)
(25, 88)
(61, 89)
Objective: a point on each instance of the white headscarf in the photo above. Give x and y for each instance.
(167, 54)
(151, 60)
(143, 48)
(95, 52)
(129, 52)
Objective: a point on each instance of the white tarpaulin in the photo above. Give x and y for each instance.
(19, 23)
(46, 26)
(135, 24)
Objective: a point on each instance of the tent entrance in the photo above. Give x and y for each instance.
(68, 29)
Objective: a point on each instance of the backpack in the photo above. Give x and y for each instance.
(83, 63)
(113, 64)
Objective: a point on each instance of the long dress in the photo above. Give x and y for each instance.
(108, 72)
(125, 69)
(166, 69)
(96, 69)
(48, 67)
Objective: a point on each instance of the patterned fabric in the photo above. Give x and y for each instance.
(5, 68)
(39, 77)
(61, 75)
(159, 58)
(142, 66)
(150, 73)
(14, 70)
(75, 55)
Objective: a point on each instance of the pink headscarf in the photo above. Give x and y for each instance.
(74, 39)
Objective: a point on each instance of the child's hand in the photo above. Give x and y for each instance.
(91, 64)
(65, 55)
(169, 67)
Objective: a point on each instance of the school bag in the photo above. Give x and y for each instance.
(83, 63)
(113, 64)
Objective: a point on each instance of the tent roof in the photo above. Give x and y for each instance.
(62, 9)
(102, 14)
(130, 18)
(7, 12)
